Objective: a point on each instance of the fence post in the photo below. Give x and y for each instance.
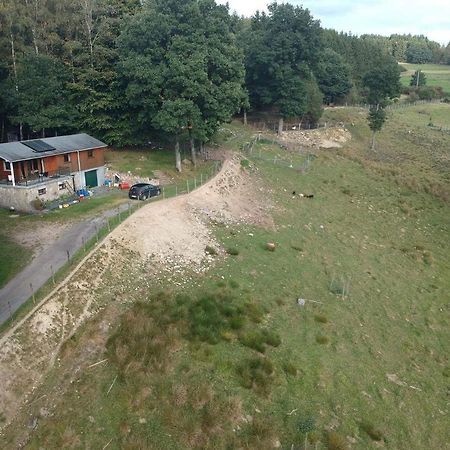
(176, 190)
(53, 274)
(68, 256)
(195, 182)
(201, 178)
(163, 193)
(187, 184)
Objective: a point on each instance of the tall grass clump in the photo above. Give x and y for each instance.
(374, 433)
(257, 374)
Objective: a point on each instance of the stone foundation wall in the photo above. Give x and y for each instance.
(21, 197)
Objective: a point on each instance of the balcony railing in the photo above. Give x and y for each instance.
(32, 179)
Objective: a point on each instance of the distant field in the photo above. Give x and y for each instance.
(437, 74)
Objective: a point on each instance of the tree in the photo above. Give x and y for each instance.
(333, 76)
(314, 96)
(281, 49)
(382, 83)
(43, 93)
(376, 119)
(418, 79)
(183, 71)
(418, 53)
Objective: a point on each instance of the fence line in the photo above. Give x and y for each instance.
(8, 308)
(249, 150)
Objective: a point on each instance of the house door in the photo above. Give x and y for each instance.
(91, 178)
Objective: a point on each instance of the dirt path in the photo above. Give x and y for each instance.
(170, 234)
(50, 259)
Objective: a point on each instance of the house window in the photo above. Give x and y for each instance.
(42, 191)
(62, 186)
(67, 157)
(90, 153)
(7, 166)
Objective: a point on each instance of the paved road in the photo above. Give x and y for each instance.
(36, 274)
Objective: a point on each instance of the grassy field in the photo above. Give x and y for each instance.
(233, 361)
(144, 163)
(12, 255)
(437, 74)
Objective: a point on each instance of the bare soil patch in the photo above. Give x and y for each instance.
(333, 137)
(38, 236)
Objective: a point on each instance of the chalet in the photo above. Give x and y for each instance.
(45, 169)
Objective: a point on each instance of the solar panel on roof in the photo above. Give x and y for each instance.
(39, 146)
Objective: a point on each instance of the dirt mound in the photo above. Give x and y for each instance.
(175, 233)
(333, 137)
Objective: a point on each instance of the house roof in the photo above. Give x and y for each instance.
(22, 150)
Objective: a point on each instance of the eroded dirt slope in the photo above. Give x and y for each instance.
(170, 233)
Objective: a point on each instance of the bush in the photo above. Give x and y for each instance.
(336, 441)
(374, 433)
(210, 250)
(320, 339)
(245, 163)
(321, 318)
(290, 369)
(258, 339)
(254, 312)
(233, 251)
(210, 316)
(257, 374)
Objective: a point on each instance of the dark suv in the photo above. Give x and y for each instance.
(143, 191)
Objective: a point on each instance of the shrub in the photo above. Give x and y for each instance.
(320, 339)
(374, 433)
(336, 441)
(245, 163)
(254, 312)
(210, 250)
(211, 315)
(289, 369)
(446, 372)
(233, 251)
(257, 374)
(271, 338)
(320, 318)
(254, 340)
(258, 339)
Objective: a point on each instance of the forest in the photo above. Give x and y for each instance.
(130, 71)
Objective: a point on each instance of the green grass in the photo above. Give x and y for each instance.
(437, 74)
(13, 257)
(143, 163)
(185, 365)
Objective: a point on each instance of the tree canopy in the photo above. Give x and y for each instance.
(124, 70)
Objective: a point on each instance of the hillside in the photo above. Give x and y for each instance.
(186, 330)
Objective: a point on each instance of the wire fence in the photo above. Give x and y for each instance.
(30, 295)
(396, 106)
(253, 150)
